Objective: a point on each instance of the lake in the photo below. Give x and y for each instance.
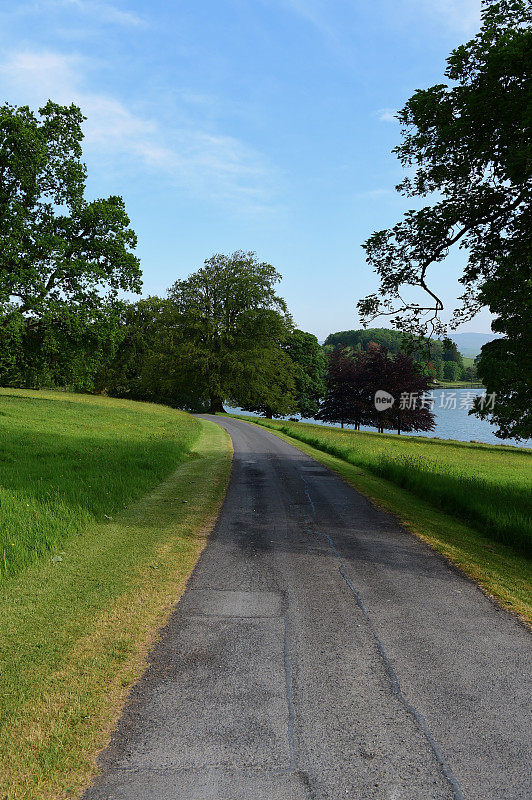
(451, 408)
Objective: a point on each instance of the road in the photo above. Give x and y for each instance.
(321, 651)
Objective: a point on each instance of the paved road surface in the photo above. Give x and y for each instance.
(322, 652)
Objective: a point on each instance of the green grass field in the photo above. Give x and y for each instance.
(488, 487)
(105, 507)
(68, 460)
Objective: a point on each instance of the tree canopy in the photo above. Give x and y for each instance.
(433, 356)
(469, 142)
(309, 370)
(504, 364)
(354, 378)
(230, 324)
(63, 259)
(57, 250)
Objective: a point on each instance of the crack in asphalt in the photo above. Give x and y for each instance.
(392, 675)
(289, 694)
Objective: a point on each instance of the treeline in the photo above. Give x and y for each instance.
(440, 359)
(223, 335)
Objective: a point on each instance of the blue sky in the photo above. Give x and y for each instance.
(261, 125)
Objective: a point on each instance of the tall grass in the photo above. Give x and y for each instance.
(487, 486)
(69, 460)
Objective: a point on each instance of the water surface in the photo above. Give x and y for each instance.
(451, 409)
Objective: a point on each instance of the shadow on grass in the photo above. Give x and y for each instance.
(92, 462)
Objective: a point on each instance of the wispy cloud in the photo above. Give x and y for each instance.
(331, 16)
(461, 15)
(101, 12)
(208, 164)
(315, 12)
(376, 194)
(387, 114)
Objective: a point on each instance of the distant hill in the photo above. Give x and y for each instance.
(389, 338)
(469, 344)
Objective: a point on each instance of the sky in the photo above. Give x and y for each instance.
(262, 125)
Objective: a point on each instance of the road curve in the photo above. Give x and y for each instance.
(321, 651)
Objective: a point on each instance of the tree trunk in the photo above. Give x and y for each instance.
(268, 413)
(216, 405)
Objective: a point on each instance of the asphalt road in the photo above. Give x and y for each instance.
(321, 651)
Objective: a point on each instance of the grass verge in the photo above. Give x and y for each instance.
(505, 575)
(68, 460)
(74, 633)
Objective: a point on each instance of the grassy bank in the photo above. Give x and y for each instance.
(458, 385)
(69, 460)
(489, 487)
(501, 571)
(77, 622)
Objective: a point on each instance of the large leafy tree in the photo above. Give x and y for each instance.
(342, 381)
(230, 325)
(309, 369)
(63, 349)
(405, 380)
(504, 364)
(468, 141)
(152, 360)
(60, 254)
(354, 378)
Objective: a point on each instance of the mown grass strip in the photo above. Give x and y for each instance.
(68, 460)
(503, 574)
(74, 633)
(488, 487)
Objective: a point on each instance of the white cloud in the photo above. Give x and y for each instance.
(387, 114)
(330, 16)
(100, 11)
(376, 194)
(462, 15)
(206, 163)
(314, 12)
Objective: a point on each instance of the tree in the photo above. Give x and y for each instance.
(272, 393)
(64, 349)
(430, 354)
(131, 372)
(504, 364)
(309, 369)
(392, 340)
(436, 368)
(405, 380)
(469, 142)
(395, 342)
(230, 326)
(409, 385)
(451, 371)
(354, 379)
(470, 373)
(337, 405)
(62, 258)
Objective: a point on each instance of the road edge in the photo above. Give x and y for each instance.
(420, 520)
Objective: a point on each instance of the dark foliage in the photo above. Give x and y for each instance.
(353, 380)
